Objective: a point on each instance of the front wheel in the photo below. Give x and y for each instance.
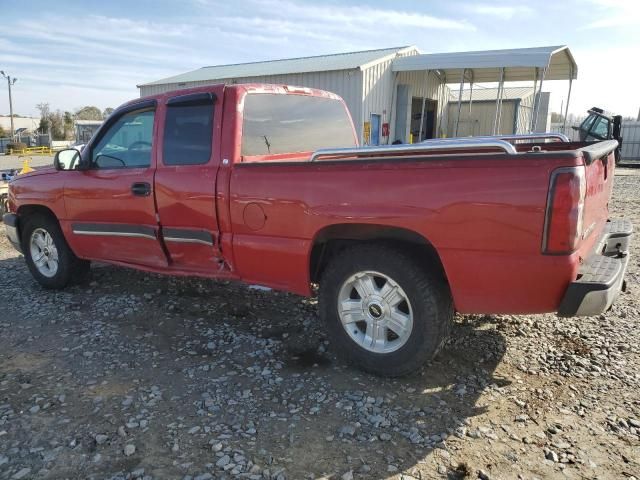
(49, 258)
(385, 312)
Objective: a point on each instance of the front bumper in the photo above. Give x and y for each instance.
(11, 224)
(601, 277)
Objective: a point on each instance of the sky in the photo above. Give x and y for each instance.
(72, 53)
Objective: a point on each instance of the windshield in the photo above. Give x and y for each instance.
(278, 124)
(586, 124)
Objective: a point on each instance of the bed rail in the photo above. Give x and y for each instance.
(523, 136)
(427, 146)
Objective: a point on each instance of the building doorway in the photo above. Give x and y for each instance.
(429, 123)
(375, 129)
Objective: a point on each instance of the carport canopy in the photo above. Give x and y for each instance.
(519, 64)
(495, 66)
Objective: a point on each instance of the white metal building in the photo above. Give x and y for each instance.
(85, 129)
(477, 116)
(31, 124)
(393, 93)
(363, 79)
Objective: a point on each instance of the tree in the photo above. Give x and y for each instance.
(557, 117)
(89, 113)
(57, 125)
(68, 126)
(3, 134)
(45, 123)
(107, 111)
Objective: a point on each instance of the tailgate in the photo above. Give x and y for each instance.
(599, 160)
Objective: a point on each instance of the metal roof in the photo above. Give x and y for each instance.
(322, 63)
(490, 94)
(519, 63)
(84, 123)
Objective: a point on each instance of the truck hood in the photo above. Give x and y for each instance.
(39, 171)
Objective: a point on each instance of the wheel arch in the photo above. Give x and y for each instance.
(332, 239)
(69, 267)
(31, 209)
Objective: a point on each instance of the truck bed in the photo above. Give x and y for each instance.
(482, 211)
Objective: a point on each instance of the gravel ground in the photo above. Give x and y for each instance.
(143, 376)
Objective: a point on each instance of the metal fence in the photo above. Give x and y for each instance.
(630, 138)
(568, 131)
(36, 140)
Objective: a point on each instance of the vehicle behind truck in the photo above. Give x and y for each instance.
(5, 177)
(599, 126)
(266, 184)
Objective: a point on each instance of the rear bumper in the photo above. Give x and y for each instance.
(601, 276)
(11, 224)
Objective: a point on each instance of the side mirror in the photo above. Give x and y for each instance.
(67, 159)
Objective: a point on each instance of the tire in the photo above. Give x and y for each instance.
(48, 241)
(397, 350)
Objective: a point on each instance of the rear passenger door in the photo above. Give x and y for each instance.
(185, 181)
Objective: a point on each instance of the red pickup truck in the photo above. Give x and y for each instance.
(265, 184)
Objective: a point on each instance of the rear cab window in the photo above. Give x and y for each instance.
(280, 127)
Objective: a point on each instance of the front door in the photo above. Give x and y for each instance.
(110, 209)
(429, 124)
(375, 129)
(185, 181)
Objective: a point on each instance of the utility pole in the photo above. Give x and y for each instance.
(10, 82)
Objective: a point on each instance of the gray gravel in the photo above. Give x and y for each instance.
(136, 375)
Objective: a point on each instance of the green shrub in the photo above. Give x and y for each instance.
(15, 146)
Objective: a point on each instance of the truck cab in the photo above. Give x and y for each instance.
(265, 184)
(598, 126)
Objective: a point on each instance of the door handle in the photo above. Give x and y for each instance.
(141, 189)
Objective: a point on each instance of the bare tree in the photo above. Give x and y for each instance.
(89, 113)
(45, 121)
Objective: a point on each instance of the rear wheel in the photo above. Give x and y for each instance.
(49, 258)
(384, 312)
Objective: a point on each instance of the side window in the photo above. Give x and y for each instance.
(127, 143)
(586, 124)
(600, 129)
(187, 134)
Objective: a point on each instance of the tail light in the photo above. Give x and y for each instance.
(565, 208)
